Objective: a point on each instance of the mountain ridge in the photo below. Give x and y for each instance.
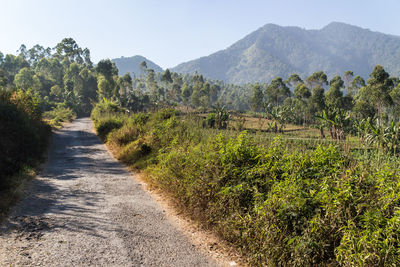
(274, 50)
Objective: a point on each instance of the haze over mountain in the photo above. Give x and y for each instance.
(132, 64)
(273, 51)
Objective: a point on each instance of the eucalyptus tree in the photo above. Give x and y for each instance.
(257, 99)
(27, 79)
(355, 85)
(106, 71)
(276, 92)
(378, 89)
(317, 79)
(301, 106)
(334, 96)
(348, 77)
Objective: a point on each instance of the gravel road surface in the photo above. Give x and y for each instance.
(85, 209)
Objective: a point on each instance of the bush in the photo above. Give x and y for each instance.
(107, 125)
(105, 108)
(23, 135)
(59, 115)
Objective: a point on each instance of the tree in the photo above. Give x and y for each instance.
(355, 85)
(155, 93)
(317, 79)
(317, 100)
(166, 77)
(302, 92)
(105, 81)
(378, 89)
(107, 68)
(12, 65)
(1, 58)
(56, 93)
(276, 92)
(69, 49)
(195, 98)
(105, 87)
(294, 80)
(214, 91)
(26, 79)
(126, 84)
(348, 75)
(143, 67)
(22, 51)
(205, 95)
(257, 100)
(36, 53)
(302, 95)
(186, 92)
(334, 96)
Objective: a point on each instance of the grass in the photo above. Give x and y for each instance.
(15, 190)
(58, 116)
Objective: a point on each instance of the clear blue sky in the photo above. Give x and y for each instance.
(173, 31)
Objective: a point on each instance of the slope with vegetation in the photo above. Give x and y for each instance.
(273, 51)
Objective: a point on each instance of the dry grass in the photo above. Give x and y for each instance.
(9, 196)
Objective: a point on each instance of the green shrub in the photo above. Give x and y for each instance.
(105, 108)
(58, 115)
(134, 151)
(23, 135)
(105, 125)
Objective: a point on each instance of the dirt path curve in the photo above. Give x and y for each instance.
(85, 209)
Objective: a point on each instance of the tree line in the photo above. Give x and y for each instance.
(343, 105)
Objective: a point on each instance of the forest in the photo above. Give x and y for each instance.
(281, 198)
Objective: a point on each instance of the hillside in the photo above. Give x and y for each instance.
(131, 64)
(280, 51)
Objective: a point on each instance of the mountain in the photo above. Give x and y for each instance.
(131, 64)
(273, 51)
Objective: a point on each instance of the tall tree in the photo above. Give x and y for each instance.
(294, 80)
(378, 88)
(318, 78)
(355, 85)
(348, 77)
(334, 96)
(26, 79)
(186, 92)
(276, 92)
(257, 100)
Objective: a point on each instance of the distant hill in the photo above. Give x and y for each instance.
(131, 64)
(280, 51)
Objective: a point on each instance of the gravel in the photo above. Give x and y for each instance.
(85, 209)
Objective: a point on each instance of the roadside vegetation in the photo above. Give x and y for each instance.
(23, 141)
(280, 201)
(305, 178)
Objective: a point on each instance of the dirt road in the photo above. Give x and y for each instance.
(85, 209)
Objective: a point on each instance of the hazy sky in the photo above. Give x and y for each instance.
(173, 31)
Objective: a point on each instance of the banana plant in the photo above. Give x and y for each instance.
(222, 117)
(337, 121)
(376, 134)
(392, 136)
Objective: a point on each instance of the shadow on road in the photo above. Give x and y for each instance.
(73, 156)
